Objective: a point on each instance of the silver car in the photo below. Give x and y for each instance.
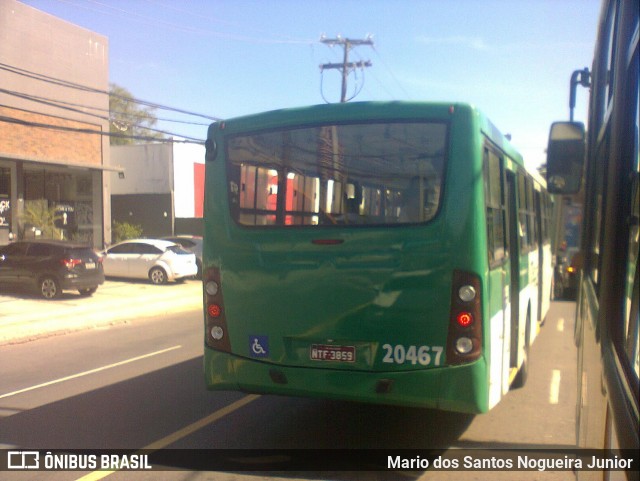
(158, 260)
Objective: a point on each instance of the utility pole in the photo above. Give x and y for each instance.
(346, 67)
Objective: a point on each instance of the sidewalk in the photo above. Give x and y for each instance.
(24, 317)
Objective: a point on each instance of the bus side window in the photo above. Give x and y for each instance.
(523, 218)
(495, 208)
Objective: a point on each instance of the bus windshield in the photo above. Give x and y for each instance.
(361, 174)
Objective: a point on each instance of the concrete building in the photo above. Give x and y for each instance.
(162, 189)
(54, 107)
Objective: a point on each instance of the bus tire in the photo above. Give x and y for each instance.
(523, 373)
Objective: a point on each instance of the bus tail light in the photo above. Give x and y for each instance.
(215, 316)
(464, 341)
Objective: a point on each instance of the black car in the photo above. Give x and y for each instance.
(51, 266)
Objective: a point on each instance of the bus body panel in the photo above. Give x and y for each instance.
(363, 313)
(458, 389)
(295, 295)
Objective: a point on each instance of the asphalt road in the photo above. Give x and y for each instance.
(140, 385)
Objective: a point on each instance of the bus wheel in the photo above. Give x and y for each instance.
(523, 373)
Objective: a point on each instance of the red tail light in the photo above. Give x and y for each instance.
(464, 341)
(70, 263)
(464, 319)
(214, 310)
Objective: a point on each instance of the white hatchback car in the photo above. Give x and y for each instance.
(158, 260)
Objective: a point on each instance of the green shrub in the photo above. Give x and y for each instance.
(123, 231)
(37, 214)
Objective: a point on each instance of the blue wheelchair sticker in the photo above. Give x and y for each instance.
(259, 346)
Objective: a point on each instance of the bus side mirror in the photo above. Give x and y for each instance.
(211, 150)
(565, 157)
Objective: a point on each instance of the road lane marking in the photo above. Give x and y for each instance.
(192, 428)
(554, 389)
(560, 325)
(92, 371)
(182, 433)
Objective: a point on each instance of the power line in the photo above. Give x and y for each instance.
(391, 72)
(27, 123)
(65, 83)
(284, 39)
(53, 103)
(62, 103)
(106, 9)
(151, 129)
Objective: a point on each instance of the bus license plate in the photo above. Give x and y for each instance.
(322, 352)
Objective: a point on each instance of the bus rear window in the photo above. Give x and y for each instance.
(356, 174)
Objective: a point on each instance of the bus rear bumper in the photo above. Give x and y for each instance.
(460, 388)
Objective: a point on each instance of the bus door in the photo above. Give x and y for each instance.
(514, 263)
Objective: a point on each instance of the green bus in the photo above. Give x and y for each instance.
(384, 252)
(607, 157)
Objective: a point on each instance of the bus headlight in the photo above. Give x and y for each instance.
(217, 333)
(467, 293)
(212, 288)
(464, 345)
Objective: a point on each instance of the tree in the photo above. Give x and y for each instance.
(129, 118)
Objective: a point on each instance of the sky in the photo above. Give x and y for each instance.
(513, 59)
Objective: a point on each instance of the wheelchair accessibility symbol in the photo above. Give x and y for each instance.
(259, 346)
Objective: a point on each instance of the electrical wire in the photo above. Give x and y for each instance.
(27, 123)
(65, 83)
(393, 76)
(150, 129)
(56, 103)
(70, 106)
(106, 9)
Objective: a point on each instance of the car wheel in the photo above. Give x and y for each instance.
(49, 287)
(87, 292)
(158, 275)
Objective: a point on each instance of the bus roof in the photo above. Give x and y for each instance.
(364, 111)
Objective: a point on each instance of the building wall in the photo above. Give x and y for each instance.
(162, 189)
(151, 212)
(144, 196)
(40, 57)
(148, 169)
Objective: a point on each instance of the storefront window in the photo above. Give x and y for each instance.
(60, 204)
